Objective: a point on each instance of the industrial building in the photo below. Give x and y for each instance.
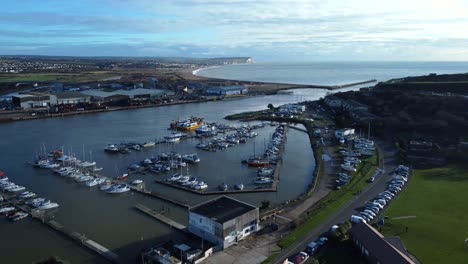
(223, 221)
(227, 90)
(33, 100)
(72, 98)
(132, 94)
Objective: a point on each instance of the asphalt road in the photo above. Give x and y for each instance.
(388, 163)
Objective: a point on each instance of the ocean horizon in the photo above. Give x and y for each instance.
(328, 73)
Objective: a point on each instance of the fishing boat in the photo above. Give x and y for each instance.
(223, 187)
(120, 188)
(188, 125)
(263, 180)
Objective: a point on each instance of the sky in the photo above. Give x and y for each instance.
(290, 30)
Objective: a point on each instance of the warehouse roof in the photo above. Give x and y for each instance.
(222, 209)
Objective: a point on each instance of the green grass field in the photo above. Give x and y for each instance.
(439, 200)
(50, 77)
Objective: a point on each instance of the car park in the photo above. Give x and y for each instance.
(357, 219)
(367, 217)
(377, 204)
(370, 212)
(397, 187)
(388, 192)
(373, 209)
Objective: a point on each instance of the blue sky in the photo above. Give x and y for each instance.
(292, 30)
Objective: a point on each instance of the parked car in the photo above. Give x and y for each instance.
(299, 258)
(357, 219)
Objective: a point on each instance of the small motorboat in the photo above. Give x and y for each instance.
(136, 182)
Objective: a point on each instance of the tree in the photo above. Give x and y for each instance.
(265, 204)
(270, 106)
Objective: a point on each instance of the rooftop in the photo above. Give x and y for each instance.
(377, 246)
(67, 95)
(222, 209)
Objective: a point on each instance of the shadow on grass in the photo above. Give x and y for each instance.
(456, 174)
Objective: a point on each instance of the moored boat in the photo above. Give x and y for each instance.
(263, 180)
(223, 187)
(239, 186)
(119, 188)
(149, 144)
(136, 182)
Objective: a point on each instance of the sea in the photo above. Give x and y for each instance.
(329, 73)
(112, 220)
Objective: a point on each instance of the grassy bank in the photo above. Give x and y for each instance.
(333, 201)
(438, 200)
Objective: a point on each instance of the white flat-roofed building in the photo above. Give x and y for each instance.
(33, 100)
(223, 221)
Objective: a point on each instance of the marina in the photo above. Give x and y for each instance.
(139, 126)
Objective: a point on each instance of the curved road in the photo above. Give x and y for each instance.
(387, 163)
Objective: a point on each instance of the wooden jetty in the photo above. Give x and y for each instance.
(43, 217)
(160, 217)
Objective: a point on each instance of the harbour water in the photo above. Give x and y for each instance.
(112, 220)
(330, 73)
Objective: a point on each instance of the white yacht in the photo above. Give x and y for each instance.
(121, 188)
(6, 209)
(94, 182)
(136, 182)
(173, 137)
(239, 186)
(47, 205)
(191, 158)
(19, 216)
(263, 180)
(201, 186)
(149, 144)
